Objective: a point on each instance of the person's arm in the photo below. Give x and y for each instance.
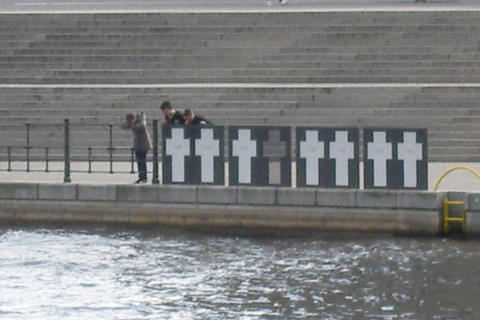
(125, 125)
(141, 123)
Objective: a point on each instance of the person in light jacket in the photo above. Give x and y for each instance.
(141, 142)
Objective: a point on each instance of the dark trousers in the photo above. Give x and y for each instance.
(142, 164)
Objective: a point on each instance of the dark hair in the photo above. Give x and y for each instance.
(187, 112)
(166, 105)
(130, 116)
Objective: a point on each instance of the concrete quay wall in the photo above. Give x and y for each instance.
(418, 212)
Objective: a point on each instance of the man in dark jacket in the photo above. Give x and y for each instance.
(191, 118)
(141, 142)
(172, 116)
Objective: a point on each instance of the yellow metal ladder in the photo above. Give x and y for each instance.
(451, 219)
(454, 213)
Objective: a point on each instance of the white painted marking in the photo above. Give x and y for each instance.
(379, 151)
(409, 151)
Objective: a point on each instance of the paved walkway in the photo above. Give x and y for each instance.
(19, 6)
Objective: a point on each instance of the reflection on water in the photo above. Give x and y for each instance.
(159, 274)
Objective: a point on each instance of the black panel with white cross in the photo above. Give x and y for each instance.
(327, 157)
(260, 156)
(193, 155)
(395, 159)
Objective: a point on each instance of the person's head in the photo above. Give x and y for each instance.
(188, 115)
(130, 117)
(167, 108)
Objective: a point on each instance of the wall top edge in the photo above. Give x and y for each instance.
(332, 9)
(244, 85)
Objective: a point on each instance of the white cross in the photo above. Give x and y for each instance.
(311, 149)
(379, 151)
(244, 149)
(207, 148)
(341, 150)
(410, 152)
(178, 147)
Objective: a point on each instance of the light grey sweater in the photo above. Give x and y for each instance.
(141, 137)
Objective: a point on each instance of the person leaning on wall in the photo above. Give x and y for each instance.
(193, 119)
(172, 116)
(141, 142)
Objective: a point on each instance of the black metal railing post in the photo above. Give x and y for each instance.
(66, 152)
(27, 147)
(9, 158)
(47, 159)
(132, 161)
(155, 152)
(89, 160)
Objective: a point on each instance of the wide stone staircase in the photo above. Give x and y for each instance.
(344, 69)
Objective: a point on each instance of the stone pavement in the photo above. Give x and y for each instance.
(228, 5)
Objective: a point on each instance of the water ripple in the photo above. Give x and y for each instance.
(98, 274)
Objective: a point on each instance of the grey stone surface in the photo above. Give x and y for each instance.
(177, 194)
(257, 207)
(472, 201)
(217, 194)
(346, 62)
(231, 5)
(57, 192)
(473, 223)
(137, 193)
(336, 198)
(96, 192)
(411, 199)
(296, 197)
(18, 191)
(376, 199)
(256, 195)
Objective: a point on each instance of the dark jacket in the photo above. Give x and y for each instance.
(177, 118)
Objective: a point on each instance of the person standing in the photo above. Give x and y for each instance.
(172, 116)
(193, 119)
(282, 2)
(141, 142)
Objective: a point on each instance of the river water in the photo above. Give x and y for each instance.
(98, 273)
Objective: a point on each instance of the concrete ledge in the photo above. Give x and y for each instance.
(419, 199)
(96, 192)
(296, 197)
(217, 195)
(376, 199)
(137, 193)
(336, 198)
(256, 195)
(57, 192)
(472, 201)
(177, 194)
(18, 191)
(225, 207)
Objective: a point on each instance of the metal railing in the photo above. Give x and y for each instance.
(53, 143)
